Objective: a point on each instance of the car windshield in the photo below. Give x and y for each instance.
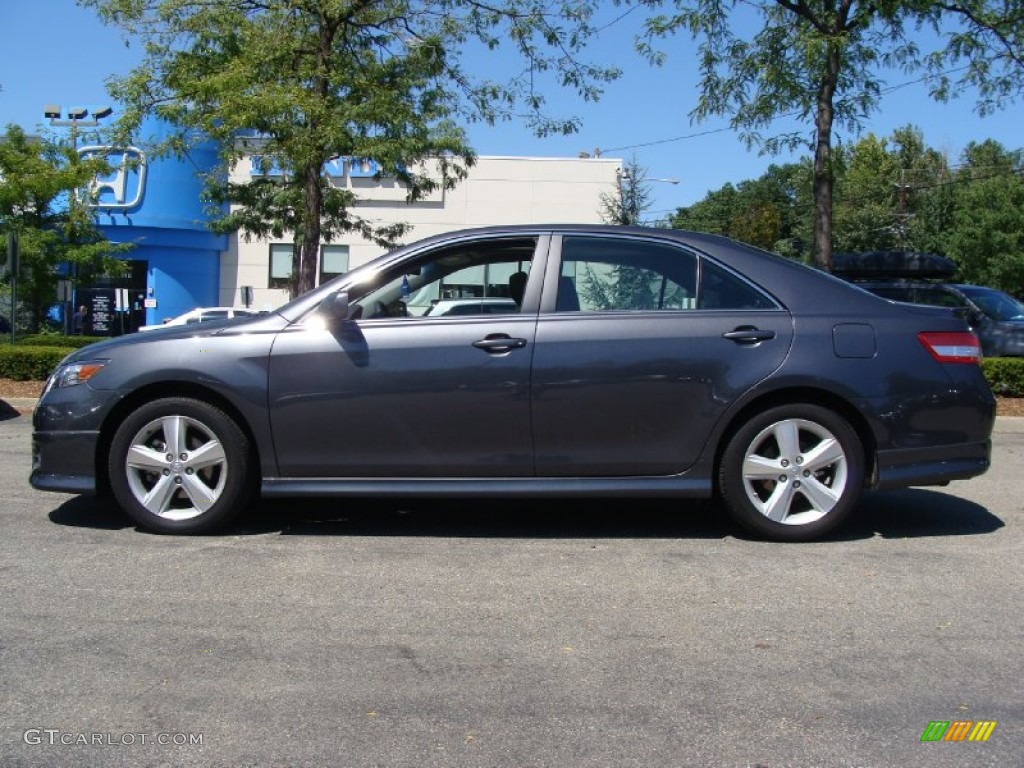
(996, 304)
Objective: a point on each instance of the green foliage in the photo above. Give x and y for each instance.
(891, 193)
(58, 340)
(822, 61)
(631, 199)
(30, 363)
(1005, 375)
(308, 82)
(38, 200)
(975, 215)
(985, 44)
(771, 212)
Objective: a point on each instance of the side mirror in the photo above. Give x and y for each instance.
(336, 307)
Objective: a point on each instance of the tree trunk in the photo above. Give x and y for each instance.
(823, 163)
(307, 251)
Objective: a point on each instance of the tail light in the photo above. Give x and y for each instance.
(951, 347)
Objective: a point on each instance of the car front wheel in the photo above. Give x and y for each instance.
(792, 473)
(179, 465)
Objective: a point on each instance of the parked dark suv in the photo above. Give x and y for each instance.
(996, 317)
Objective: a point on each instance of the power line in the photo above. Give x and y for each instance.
(795, 113)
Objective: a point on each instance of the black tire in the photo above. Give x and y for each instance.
(198, 487)
(804, 477)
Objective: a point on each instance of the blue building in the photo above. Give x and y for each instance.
(158, 206)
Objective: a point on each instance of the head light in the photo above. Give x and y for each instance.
(70, 374)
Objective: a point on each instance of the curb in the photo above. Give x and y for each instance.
(23, 405)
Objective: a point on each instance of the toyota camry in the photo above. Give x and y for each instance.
(610, 362)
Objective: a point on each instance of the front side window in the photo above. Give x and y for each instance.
(996, 304)
(477, 278)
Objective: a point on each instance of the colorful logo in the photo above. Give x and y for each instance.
(958, 730)
(126, 185)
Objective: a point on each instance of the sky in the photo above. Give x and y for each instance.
(54, 52)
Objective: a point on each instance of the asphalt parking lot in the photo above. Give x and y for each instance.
(492, 633)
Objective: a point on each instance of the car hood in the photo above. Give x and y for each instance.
(269, 321)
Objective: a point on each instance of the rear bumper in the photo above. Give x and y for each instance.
(938, 465)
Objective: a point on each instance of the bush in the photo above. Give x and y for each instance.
(52, 340)
(30, 363)
(1005, 375)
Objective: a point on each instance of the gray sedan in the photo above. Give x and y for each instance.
(619, 362)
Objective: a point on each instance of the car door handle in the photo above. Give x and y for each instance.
(748, 335)
(499, 342)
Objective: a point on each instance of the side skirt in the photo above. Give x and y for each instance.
(679, 485)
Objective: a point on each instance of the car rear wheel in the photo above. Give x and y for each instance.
(792, 473)
(179, 465)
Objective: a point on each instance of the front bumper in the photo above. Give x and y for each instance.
(65, 438)
(64, 461)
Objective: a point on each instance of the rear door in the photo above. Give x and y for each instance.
(641, 346)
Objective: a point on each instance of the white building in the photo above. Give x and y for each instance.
(498, 190)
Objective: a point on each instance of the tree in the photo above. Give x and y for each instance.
(41, 188)
(820, 60)
(892, 193)
(988, 41)
(631, 199)
(880, 188)
(314, 80)
(975, 215)
(768, 212)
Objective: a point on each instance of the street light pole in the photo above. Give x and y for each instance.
(13, 259)
(76, 117)
(632, 193)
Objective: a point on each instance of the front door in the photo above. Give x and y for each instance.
(407, 387)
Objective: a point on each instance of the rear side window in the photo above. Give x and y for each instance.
(624, 275)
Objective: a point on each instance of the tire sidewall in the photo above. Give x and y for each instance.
(236, 451)
(731, 486)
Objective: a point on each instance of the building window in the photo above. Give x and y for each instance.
(280, 265)
(333, 261)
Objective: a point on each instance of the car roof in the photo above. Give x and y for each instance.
(785, 278)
